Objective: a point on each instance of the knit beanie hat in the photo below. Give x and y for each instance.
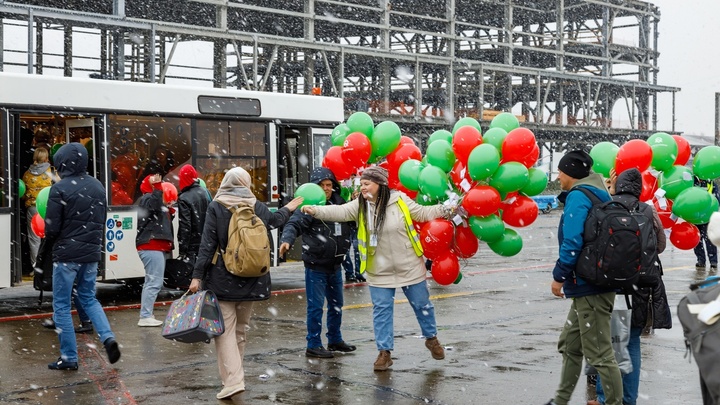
(188, 175)
(376, 174)
(576, 164)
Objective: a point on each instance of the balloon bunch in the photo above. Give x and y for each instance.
(489, 177)
(666, 182)
(37, 222)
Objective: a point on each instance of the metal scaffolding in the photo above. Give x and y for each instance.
(574, 71)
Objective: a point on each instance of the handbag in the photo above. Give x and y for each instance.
(620, 321)
(194, 318)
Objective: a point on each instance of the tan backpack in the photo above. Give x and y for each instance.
(247, 253)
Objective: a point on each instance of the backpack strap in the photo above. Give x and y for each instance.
(589, 194)
(217, 249)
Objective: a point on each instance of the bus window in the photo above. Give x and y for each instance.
(140, 146)
(222, 145)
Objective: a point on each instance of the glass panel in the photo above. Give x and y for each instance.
(321, 144)
(229, 106)
(222, 145)
(140, 146)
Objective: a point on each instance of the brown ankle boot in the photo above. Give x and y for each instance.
(436, 349)
(383, 361)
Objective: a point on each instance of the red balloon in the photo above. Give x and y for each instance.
(481, 201)
(445, 268)
(401, 154)
(684, 235)
(531, 158)
(38, 225)
(466, 243)
(418, 226)
(356, 149)
(464, 141)
(518, 144)
(170, 193)
(407, 140)
(436, 237)
(334, 161)
(521, 211)
(649, 186)
(410, 193)
(458, 174)
(684, 151)
(635, 153)
(666, 215)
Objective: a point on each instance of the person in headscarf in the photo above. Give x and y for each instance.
(235, 294)
(391, 254)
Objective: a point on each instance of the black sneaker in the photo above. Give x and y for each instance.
(112, 349)
(351, 280)
(699, 266)
(61, 364)
(713, 267)
(341, 347)
(48, 323)
(360, 278)
(318, 352)
(85, 327)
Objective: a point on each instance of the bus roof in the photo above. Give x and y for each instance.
(28, 90)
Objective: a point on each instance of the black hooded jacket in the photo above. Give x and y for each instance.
(649, 303)
(322, 249)
(76, 209)
(192, 207)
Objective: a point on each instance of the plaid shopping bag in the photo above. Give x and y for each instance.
(194, 318)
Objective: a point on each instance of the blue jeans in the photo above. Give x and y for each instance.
(383, 300)
(350, 269)
(631, 381)
(709, 247)
(154, 262)
(64, 276)
(319, 286)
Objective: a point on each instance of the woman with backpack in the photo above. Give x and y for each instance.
(37, 177)
(650, 309)
(235, 294)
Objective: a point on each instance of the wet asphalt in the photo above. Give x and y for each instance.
(499, 327)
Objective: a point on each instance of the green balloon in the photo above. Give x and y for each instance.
(346, 193)
(385, 138)
(311, 193)
(54, 149)
(440, 153)
(706, 164)
(338, 135)
(506, 121)
(440, 134)
(483, 161)
(433, 181)
(361, 122)
(694, 205)
(409, 173)
(664, 150)
(509, 245)
(466, 121)
(423, 199)
(41, 201)
(603, 155)
(495, 137)
(509, 177)
(488, 229)
(21, 188)
(674, 180)
(537, 181)
(458, 279)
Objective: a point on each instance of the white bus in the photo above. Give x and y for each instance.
(131, 129)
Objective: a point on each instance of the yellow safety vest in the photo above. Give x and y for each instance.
(363, 242)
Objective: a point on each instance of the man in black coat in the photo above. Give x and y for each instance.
(324, 247)
(74, 226)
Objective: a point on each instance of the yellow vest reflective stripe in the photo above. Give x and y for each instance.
(409, 228)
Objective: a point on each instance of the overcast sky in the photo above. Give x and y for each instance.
(689, 32)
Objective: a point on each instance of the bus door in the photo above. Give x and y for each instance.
(9, 183)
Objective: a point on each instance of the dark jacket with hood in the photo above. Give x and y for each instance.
(154, 218)
(323, 249)
(227, 286)
(76, 209)
(649, 303)
(193, 202)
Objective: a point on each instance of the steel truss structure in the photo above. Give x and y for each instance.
(575, 71)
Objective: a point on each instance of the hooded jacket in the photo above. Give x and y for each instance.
(570, 236)
(193, 203)
(76, 209)
(323, 248)
(646, 301)
(154, 219)
(37, 177)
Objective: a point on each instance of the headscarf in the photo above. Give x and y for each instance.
(235, 188)
(188, 175)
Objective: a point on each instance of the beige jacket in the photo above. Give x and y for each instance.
(394, 263)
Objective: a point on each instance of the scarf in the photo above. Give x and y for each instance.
(235, 189)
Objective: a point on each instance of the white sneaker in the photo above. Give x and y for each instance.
(149, 322)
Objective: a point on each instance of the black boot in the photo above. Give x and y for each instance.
(85, 327)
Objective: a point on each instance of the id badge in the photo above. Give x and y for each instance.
(373, 240)
(338, 229)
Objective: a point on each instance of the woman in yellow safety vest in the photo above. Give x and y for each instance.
(390, 255)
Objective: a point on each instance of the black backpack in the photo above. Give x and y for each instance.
(612, 245)
(650, 267)
(43, 273)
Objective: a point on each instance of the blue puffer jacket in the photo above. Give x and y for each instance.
(76, 209)
(570, 236)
